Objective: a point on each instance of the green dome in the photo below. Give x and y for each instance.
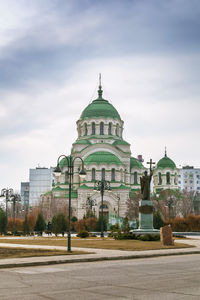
(135, 163)
(100, 108)
(166, 162)
(102, 157)
(63, 163)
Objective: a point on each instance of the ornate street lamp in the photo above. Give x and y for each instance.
(14, 198)
(6, 193)
(89, 204)
(70, 173)
(101, 186)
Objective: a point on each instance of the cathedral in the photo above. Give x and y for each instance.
(106, 156)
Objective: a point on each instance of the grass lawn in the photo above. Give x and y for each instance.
(14, 253)
(101, 243)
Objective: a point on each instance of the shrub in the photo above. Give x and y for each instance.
(80, 225)
(157, 220)
(25, 226)
(40, 224)
(149, 237)
(193, 223)
(83, 234)
(91, 224)
(59, 224)
(119, 235)
(179, 224)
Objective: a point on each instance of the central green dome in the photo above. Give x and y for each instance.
(100, 108)
(102, 157)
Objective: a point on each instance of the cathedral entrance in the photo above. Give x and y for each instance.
(105, 210)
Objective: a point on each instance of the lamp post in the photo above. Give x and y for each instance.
(89, 204)
(102, 185)
(6, 193)
(70, 173)
(14, 198)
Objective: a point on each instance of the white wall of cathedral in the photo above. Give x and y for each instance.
(124, 157)
(94, 127)
(115, 201)
(165, 179)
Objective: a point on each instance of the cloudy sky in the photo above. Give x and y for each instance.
(51, 52)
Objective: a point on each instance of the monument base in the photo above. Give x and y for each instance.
(146, 218)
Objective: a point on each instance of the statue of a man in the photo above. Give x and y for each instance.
(145, 181)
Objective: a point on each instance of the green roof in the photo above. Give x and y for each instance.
(135, 163)
(166, 162)
(63, 163)
(84, 141)
(120, 142)
(100, 108)
(102, 157)
(84, 186)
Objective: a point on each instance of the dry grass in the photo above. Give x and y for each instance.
(101, 243)
(16, 253)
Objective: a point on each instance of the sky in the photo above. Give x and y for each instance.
(51, 54)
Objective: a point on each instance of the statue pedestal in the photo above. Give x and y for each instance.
(146, 217)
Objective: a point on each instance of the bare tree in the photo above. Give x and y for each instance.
(185, 204)
(132, 212)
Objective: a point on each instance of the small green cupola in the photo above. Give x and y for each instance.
(166, 162)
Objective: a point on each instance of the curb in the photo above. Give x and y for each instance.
(92, 259)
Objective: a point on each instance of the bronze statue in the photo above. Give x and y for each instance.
(145, 182)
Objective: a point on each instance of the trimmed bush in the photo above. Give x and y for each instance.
(149, 237)
(83, 234)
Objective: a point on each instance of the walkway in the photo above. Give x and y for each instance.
(94, 255)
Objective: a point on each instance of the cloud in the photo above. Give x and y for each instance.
(51, 54)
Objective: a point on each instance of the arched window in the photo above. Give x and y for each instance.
(103, 174)
(105, 206)
(159, 178)
(93, 128)
(79, 130)
(175, 178)
(93, 174)
(135, 178)
(101, 128)
(113, 175)
(85, 129)
(168, 177)
(117, 130)
(122, 175)
(110, 128)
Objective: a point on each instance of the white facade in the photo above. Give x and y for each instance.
(189, 179)
(41, 180)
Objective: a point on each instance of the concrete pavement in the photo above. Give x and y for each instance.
(92, 254)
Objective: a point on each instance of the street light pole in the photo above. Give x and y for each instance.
(90, 203)
(70, 172)
(101, 186)
(6, 193)
(14, 198)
